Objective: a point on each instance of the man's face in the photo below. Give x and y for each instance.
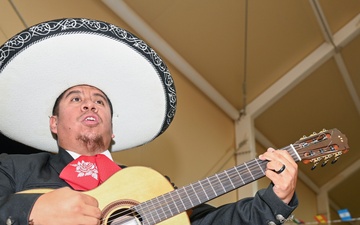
(83, 123)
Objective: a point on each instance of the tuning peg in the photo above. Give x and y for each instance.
(326, 160)
(316, 162)
(335, 160)
(324, 163)
(313, 167)
(303, 137)
(336, 157)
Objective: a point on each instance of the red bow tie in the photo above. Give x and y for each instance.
(88, 172)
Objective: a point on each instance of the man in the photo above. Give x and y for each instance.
(86, 105)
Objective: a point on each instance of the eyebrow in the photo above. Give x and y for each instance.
(79, 92)
(72, 92)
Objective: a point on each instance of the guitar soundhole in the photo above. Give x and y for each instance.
(121, 213)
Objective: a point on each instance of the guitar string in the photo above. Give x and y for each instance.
(161, 202)
(250, 167)
(217, 187)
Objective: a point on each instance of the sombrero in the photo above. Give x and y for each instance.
(41, 62)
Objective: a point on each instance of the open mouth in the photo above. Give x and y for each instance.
(91, 120)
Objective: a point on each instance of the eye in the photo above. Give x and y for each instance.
(76, 99)
(100, 102)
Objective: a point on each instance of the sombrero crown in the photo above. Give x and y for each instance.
(41, 62)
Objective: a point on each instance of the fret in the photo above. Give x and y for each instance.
(232, 184)
(212, 188)
(146, 212)
(236, 179)
(186, 198)
(181, 200)
(166, 207)
(160, 208)
(245, 176)
(214, 182)
(156, 209)
(194, 193)
(237, 171)
(259, 162)
(200, 191)
(173, 202)
(224, 182)
(207, 197)
(152, 210)
(249, 171)
(217, 176)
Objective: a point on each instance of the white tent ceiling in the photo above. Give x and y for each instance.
(291, 65)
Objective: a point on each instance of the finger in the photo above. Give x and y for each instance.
(89, 200)
(275, 166)
(279, 160)
(286, 159)
(92, 211)
(281, 169)
(283, 154)
(272, 154)
(90, 207)
(277, 155)
(267, 155)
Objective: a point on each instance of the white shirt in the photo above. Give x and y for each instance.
(76, 155)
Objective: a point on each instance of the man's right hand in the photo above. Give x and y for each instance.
(65, 206)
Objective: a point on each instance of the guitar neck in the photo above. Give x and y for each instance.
(187, 197)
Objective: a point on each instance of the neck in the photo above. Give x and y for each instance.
(75, 155)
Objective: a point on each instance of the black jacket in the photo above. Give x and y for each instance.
(41, 170)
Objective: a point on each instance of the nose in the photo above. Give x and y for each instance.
(89, 105)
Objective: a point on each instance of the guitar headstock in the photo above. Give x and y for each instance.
(324, 145)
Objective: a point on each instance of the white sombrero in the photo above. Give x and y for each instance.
(41, 62)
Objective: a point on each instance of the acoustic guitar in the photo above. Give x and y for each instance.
(142, 196)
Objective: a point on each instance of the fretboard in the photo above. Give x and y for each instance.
(172, 203)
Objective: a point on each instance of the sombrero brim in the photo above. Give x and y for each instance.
(38, 64)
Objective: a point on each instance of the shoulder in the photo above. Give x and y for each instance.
(8, 161)
(16, 157)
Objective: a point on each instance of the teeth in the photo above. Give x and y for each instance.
(90, 118)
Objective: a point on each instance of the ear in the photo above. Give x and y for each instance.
(112, 135)
(53, 124)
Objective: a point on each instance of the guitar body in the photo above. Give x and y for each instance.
(126, 188)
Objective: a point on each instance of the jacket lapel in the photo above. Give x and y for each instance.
(60, 160)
